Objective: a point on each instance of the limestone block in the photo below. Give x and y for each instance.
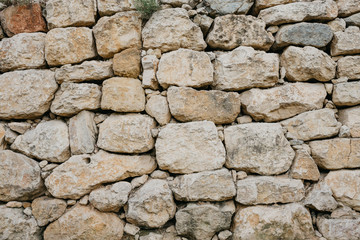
(47, 210)
(320, 198)
(351, 118)
(127, 63)
(349, 67)
(224, 7)
(109, 7)
(346, 94)
(157, 107)
(339, 229)
(347, 42)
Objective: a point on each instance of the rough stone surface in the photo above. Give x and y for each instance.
(348, 7)
(351, 118)
(258, 148)
(129, 133)
(2, 136)
(109, 7)
(204, 22)
(189, 147)
(118, 32)
(224, 7)
(262, 4)
(75, 97)
(295, 98)
(84, 222)
(349, 67)
(152, 205)
(346, 94)
(47, 210)
(123, 95)
(83, 173)
(150, 64)
(171, 29)
(231, 31)
(245, 68)
(202, 221)
(304, 167)
(26, 94)
(157, 107)
(353, 20)
(69, 45)
(320, 198)
(339, 229)
(20, 177)
(127, 63)
(48, 141)
(187, 104)
(347, 42)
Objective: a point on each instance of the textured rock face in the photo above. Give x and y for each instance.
(26, 94)
(20, 177)
(258, 147)
(261, 4)
(349, 67)
(69, 45)
(23, 51)
(348, 7)
(231, 31)
(127, 63)
(185, 68)
(150, 64)
(82, 173)
(202, 221)
(152, 205)
(109, 7)
(346, 94)
(118, 32)
(129, 133)
(158, 108)
(353, 20)
(245, 68)
(351, 118)
(230, 6)
(83, 222)
(189, 147)
(320, 198)
(290, 221)
(347, 42)
(339, 229)
(304, 167)
(171, 29)
(295, 98)
(48, 141)
(47, 210)
(187, 104)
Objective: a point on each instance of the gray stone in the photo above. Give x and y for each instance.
(347, 42)
(353, 20)
(224, 7)
(320, 198)
(47, 210)
(351, 118)
(346, 94)
(349, 67)
(348, 7)
(339, 229)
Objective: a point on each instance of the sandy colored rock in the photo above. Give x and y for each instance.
(231, 31)
(304, 167)
(84, 222)
(189, 147)
(261, 4)
(346, 94)
(48, 141)
(69, 45)
(320, 198)
(152, 205)
(187, 104)
(19, 127)
(130, 133)
(258, 148)
(109, 7)
(23, 51)
(171, 29)
(348, 7)
(123, 95)
(351, 118)
(26, 94)
(83, 173)
(149, 65)
(20, 177)
(347, 42)
(185, 68)
(157, 107)
(353, 20)
(127, 63)
(339, 229)
(47, 210)
(2, 136)
(175, 3)
(204, 22)
(245, 68)
(349, 67)
(282, 102)
(118, 32)
(86, 71)
(224, 7)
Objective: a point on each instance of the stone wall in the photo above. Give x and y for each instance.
(214, 119)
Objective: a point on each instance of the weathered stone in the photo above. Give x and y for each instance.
(26, 94)
(204, 22)
(349, 67)
(69, 45)
(129, 133)
(185, 67)
(261, 4)
(84, 222)
(82, 133)
(189, 147)
(171, 29)
(48, 141)
(346, 94)
(231, 31)
(304, 167)
(118, 32)
(224, 7)
(320, 198)
(83, 173)
(345, 212)
(23, 51)
(338, 24)
(158, 107)
(150, 65)
(348, 7)
(15, 225)
(267, 190)
(299, 11)
(339, 229)
(353, 20)
(19, 127)
(123, 95)
(336, 153)
(22, 19)
(20, 177)
(187, 104)
(47, 210)
(152, 205)
(110, 198)
(2, 137)
(204, 186)
(109, 7)
(245, 68)
(86, 71)
(2, 35)
(351, 118)
(175, 3)
(347, 42)
(304, 34)
(282, 102)
(258, 147)
(127, 63)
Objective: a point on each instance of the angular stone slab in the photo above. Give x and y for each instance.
(347, 42)
(224, 7)
(157, 107)
(320, 198)
(348, 7)
(353, 20)
(47, 210)
(109, 7)
(304, 167)
(262, 4)
(351, 118)
(346, 94)
(349, 67)
(127, 63)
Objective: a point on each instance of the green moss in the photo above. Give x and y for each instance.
(146, 7)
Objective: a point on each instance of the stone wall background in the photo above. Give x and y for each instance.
(214, 119)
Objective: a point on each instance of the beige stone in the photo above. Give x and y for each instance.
(346, 94)
(109, 7)
(123, 95)
(157, 107)
(129, 133)
(118, 32)
(47, 210)
(349, 67)
(304, 167)
(339, 229)
(19, 127)
(262, 4)
(83, 173)
(150, 65)
(351, 118)
(204, 22)
(2, 137)
(127, 63)
(320, 198)
(347, 42)
(282, 102)
(171, 29)
(26, 94)
(348, 7)
(224, 7)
